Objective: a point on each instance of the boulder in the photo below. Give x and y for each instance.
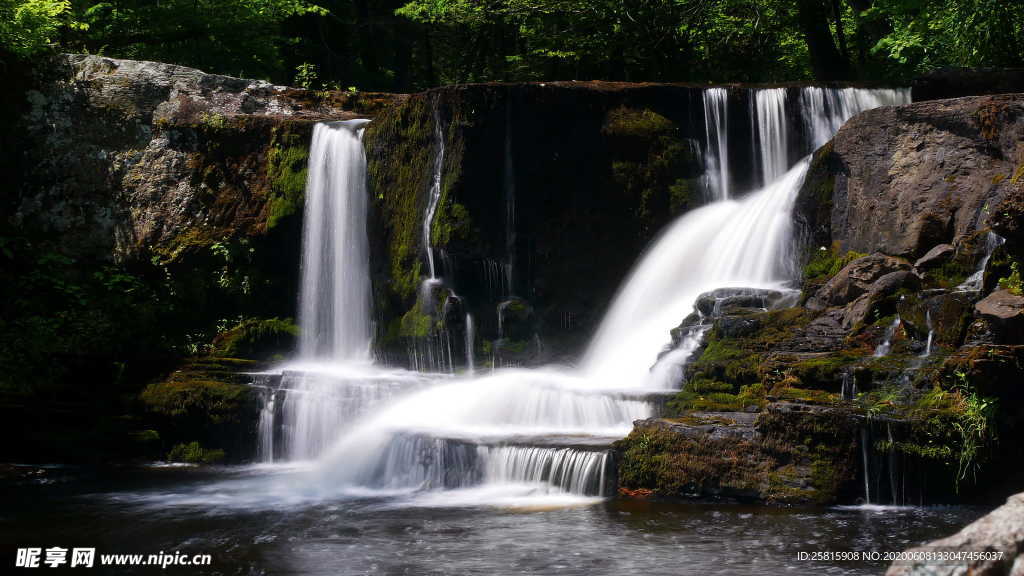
(901, 180)
(858, 278)
(1004, 311)
(935, 257)
(1000, 532)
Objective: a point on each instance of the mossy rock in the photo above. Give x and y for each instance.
(258, 339)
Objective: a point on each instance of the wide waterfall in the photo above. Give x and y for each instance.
(542, 432)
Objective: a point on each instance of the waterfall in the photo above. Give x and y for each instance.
(974, 282)
(435, 191)
(931, 334)
(334, 301)
(730, 243)
(825, 110)
(548, 430)
(716, 133)
(886, 345)
(770, 115)
(470, 337)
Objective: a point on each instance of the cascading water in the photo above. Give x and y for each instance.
(334, 302)
(770, 115)
(886, 345)
(716, 157)
(548, 431)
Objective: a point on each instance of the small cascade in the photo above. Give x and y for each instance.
(931, 334)
(716, 156)
(334, 302)
(865, 447)
(772, 141)
(470, 338)
(974, 282)
(265, 446)
(572, 470)
(885, 347)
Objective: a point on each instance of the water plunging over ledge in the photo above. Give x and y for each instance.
(536, 433)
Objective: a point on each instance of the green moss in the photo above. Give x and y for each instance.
(194, 453)
(415, 324)
(821, 372)
(633, 123)
(197, 391)
(826, 263)
(258, 338)
(287, 168)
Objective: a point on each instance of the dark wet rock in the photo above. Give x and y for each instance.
(1008, 216)
(1000, 532)
(726, 301)
(824, 333)
(1004, 311)
(935, 257)
(859, 278)
(900, 180)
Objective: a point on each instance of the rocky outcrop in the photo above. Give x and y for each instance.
(901, 180)
(1004, 311)
(125, 158)
(759, 456)
(997, 539)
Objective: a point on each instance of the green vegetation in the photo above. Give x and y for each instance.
(194, 453)
(1012, 283)
(826, 263)
(404, 45)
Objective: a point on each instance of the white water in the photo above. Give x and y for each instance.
(435, 192)
(716, 132)
(770, 115)
(730, 243)
(334, 302)
(470, 339)
(931, 334)
(886, 345)
(974, 282)
(544, 432)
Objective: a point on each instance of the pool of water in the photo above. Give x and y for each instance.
(250, 523)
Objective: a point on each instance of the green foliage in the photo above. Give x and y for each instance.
(28, 27)
(1012, 283)
(826, 263)
(926, 34)
(194, 453)
(56, 310)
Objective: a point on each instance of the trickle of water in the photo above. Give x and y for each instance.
(435, 191)
(931, 333)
